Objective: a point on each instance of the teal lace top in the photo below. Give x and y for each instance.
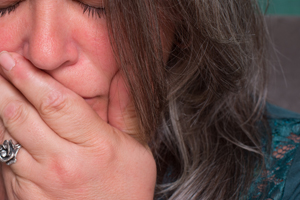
(281, 179)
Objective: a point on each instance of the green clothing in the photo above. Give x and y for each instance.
(281, 179)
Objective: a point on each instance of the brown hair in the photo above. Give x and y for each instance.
(199, 112)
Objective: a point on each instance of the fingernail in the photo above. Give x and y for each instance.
(6, 61)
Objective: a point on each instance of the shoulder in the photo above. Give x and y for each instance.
(281, 179)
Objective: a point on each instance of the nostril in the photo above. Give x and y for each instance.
(48, 45)
(49, 55)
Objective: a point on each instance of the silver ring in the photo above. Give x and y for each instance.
(8, 152)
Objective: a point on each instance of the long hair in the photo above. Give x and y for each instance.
(199, 112)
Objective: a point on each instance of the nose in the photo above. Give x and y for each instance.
(49, 42)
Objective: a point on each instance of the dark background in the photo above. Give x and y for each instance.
(283, 20)
(284, 78)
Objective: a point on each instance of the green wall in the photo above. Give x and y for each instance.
(281, 7)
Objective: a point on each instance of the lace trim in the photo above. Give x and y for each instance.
(270, 183)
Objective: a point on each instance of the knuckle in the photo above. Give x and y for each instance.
(14, 112)
(64, 172)
(106, 151)
(53, 102)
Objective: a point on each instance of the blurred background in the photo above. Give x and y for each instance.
(283, 21)
(281, 7)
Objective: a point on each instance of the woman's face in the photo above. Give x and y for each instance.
(71, 45)
(57, 37)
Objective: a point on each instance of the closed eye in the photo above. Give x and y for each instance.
(91, 10)
(9, 9)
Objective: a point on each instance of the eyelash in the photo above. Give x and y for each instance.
(4, 11)
(91, 10)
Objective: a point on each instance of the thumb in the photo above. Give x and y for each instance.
(121, 111)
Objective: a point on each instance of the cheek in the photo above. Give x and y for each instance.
(5, 39)
(94, 41)
(96, 65)
(11, 34)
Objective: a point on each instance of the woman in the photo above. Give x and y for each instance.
(93, 91)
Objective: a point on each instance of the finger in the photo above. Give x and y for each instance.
(23, 123)
(2, 130)
(121, 110)
(24, 162)
(25, 165)
(2, 187)
(8, 177)
(64, 111)
(19, 187)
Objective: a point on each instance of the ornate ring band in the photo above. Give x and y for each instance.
(8, 152)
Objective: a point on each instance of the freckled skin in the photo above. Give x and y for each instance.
(72, 47)
(68, 151)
